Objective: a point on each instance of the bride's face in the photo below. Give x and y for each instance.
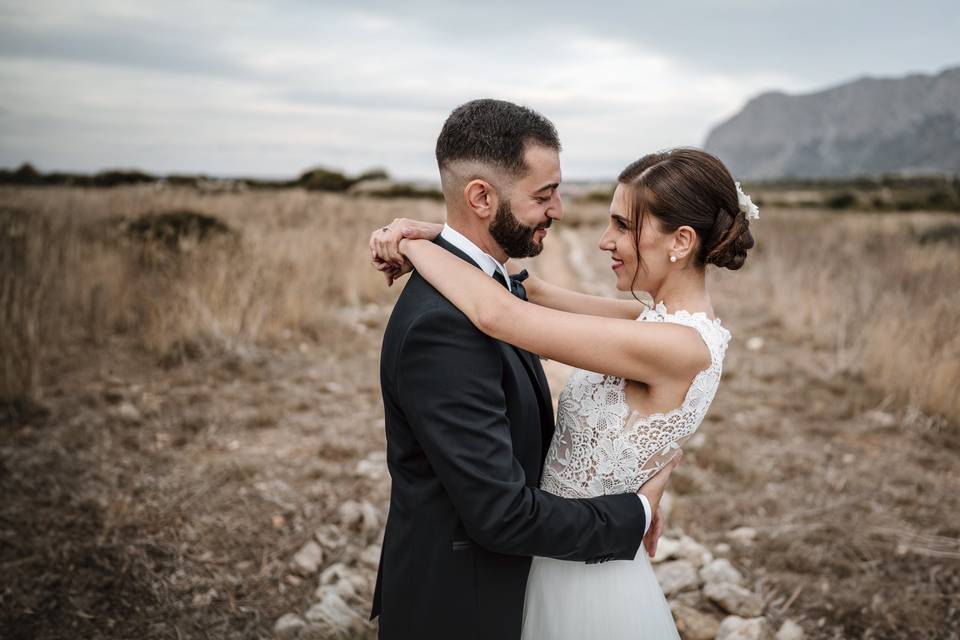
(639, 266)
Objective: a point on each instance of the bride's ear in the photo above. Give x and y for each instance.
(481, 197)
(684, 242)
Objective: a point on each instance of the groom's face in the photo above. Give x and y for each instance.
(524, 215)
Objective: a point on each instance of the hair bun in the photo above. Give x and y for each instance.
(732, 241)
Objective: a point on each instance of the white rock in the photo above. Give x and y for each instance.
(695, 442)
(360, 516)
(666, 549)
(676, 576)
(734, 599)
(205, 599)
(693, 551)
(721, 549)
(127, 412)
(279, 493)
(693, 624)
(334, 574)
(371, 556)
(373, 469)
(308, 560)
(880, 418)
(666, 505)
(790, 630)
(743, 535)
(345, 582)
(754, 343)
(720, 570)
(737, 628)
(330, 537)
(288, 626)
(334, 616)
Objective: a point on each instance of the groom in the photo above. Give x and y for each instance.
(469, 419)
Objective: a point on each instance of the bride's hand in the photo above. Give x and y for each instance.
(653, 534)
(385, 245)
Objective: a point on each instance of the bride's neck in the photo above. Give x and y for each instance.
(684, 289)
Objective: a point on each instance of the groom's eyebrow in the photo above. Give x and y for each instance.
(547, 187)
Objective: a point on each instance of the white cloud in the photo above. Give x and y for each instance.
(271, 88)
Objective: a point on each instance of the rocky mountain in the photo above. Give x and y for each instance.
(870, 126)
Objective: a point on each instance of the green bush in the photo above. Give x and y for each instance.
(321, 179)
(842, 200)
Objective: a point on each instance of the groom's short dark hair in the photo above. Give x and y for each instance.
(493, 132)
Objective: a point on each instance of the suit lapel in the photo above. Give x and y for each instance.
(530, 361)
(532, 364)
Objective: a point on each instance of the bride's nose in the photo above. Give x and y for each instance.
(606, 242)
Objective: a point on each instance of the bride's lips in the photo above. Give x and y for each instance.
(616, 264)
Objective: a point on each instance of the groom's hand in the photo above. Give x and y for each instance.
(654, 487)
(385, 245)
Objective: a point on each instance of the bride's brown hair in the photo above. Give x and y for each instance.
(690, 187)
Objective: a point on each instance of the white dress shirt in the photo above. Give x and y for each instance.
(490, 265)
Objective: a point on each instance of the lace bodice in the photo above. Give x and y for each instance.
(601, 447)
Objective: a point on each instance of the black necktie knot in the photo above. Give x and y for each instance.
(516, 283)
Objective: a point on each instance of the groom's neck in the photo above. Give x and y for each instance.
(479, 235)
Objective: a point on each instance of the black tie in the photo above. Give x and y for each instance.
(516, 280)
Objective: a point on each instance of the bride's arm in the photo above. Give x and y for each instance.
(647, 352)
(545, 294)
(386, 257)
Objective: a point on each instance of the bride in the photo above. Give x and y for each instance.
(645, 375)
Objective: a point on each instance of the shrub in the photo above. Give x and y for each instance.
(173, 229)
(842, 200)
(321, 179)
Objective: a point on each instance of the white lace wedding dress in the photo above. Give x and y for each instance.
(600, 447)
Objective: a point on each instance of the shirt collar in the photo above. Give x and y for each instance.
(486, 262)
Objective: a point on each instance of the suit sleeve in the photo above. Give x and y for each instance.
(449, 382)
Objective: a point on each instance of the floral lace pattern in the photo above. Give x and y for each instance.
(601, 447)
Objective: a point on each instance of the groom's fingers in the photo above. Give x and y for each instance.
(416, 230)
(388, 247)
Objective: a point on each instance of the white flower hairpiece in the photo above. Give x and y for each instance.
(751, 210)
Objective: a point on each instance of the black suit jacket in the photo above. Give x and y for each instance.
(468, 423)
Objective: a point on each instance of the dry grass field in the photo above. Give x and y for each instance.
(187, 401)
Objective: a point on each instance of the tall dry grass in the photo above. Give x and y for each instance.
(291, 266)
(32, 256)
(882, 291)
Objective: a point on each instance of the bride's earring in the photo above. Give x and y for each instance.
(673, 258)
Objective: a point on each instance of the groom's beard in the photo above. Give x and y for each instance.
(514, 237)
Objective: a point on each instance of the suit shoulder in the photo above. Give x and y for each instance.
(420, 303)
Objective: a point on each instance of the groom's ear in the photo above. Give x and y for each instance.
(481, 197)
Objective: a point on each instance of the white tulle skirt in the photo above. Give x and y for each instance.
(614, 600)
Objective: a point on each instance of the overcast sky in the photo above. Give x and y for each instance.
(270, 88)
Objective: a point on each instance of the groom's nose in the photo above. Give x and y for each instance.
(556, 211)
